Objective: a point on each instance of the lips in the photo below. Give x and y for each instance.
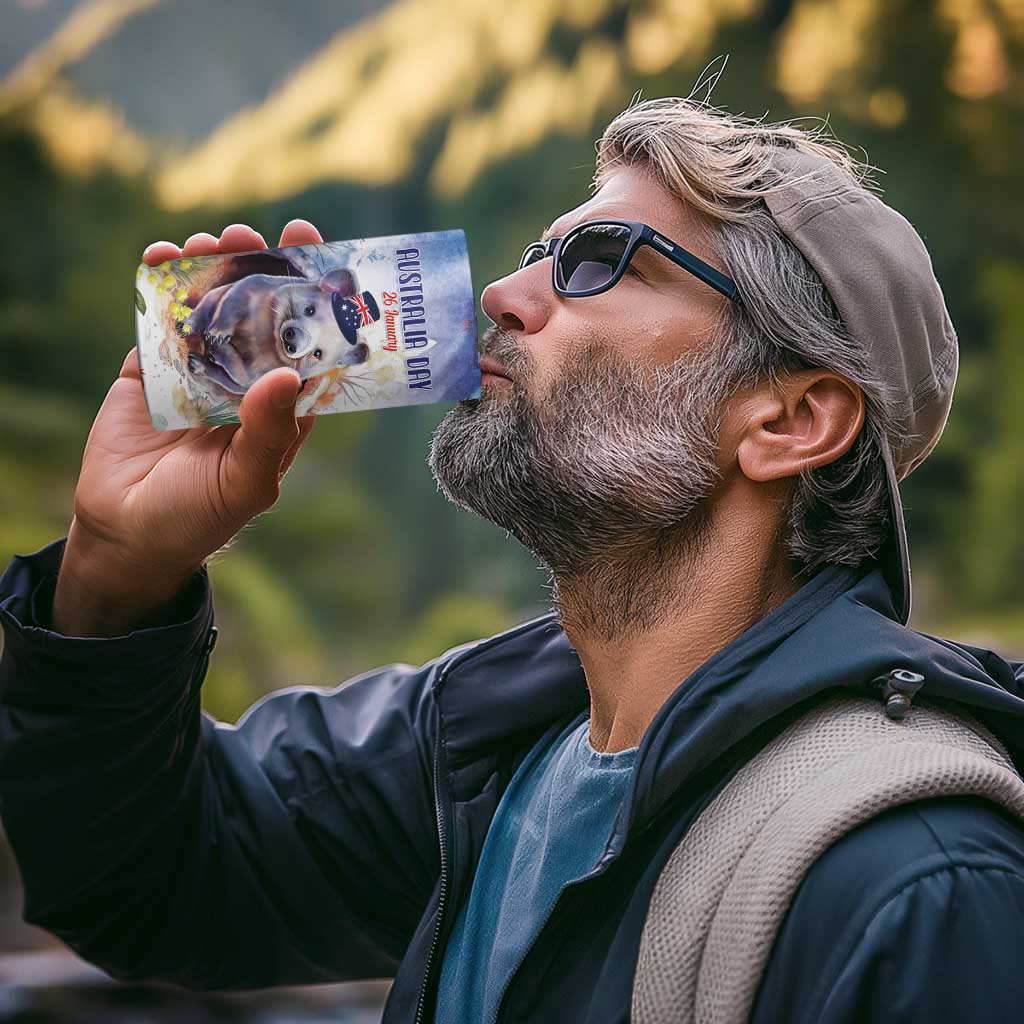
(488, 365)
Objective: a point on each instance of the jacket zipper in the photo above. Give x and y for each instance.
(508, 981)
(600, 869)
(443, 885)
(439, 807)
(211, 641)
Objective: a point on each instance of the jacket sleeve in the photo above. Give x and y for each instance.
(298, 846)
(913, 918)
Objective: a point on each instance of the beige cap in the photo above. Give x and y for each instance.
(879, 274)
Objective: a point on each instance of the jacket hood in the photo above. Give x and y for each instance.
(837, 633)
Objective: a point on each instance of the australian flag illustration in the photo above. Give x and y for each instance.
(353, 312)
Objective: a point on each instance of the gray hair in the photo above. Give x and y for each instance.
(721, 164)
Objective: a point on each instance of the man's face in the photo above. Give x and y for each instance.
(603, 440)
(656, 312)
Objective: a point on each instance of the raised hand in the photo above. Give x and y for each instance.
(152, 505)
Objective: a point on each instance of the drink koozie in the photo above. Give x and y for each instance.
(367, 324)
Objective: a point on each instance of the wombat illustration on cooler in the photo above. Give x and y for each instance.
(366, 324)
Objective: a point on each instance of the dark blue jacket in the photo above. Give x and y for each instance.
(333, 833)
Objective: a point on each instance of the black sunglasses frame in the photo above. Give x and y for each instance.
(639, 234)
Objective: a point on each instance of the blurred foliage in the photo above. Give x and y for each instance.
(422, 115)
(993, 548)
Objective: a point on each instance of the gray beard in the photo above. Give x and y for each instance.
(605, 479)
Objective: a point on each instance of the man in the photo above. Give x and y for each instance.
(696, 406)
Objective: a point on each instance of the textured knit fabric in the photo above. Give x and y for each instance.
(723, 893)
(550, 828)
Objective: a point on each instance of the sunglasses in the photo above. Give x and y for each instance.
(593, 256)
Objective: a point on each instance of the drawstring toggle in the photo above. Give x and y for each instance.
(899, 686)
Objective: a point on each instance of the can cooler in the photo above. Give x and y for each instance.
(367, 324)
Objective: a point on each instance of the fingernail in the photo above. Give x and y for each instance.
(284, 393)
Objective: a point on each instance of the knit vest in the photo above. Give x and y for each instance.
(725, 889)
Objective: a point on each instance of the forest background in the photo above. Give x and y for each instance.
(126, 122)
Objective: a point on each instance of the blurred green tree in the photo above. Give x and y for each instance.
(498, 139)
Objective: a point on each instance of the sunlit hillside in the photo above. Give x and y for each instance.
(449, 87)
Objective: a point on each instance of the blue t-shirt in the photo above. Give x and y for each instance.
(550, 827)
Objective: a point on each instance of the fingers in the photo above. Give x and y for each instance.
(202, 243)
(240, 238)
(130, 366)
(158, 252)
(300, 232)
(234, 238)
(267, 433)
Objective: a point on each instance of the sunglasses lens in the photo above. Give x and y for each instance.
(534, 252)
(591, 255)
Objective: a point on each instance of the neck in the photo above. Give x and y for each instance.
(653, 612)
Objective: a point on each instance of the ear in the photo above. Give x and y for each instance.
(810, 421)
(341, 281)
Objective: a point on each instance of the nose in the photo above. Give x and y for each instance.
(297, 342)
(521, 301)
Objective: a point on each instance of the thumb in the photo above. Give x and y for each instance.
(267, 432)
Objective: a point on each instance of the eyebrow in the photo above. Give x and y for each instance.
(546, 233)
